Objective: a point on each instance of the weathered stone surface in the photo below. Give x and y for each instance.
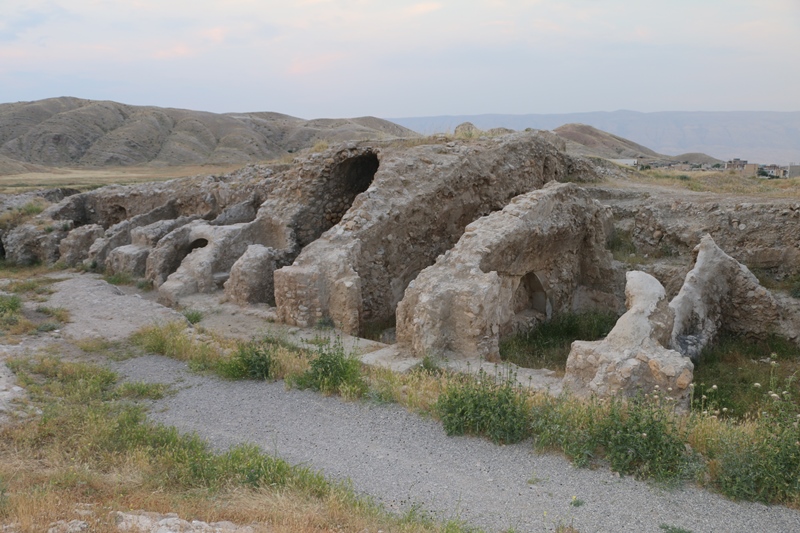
(74, 249)
(145, 522)
(120, 233)
(721, 293)
(242, 212)
(543, 254)
(416, 209)
(35, 243)
(150, 234)
(762, 232)
(467, 129)
(130, 259)
(633, 358)
(208, 253)
(251, 279)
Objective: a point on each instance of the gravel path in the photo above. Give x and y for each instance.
(404, 461)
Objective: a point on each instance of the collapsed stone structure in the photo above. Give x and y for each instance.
(654, 343)
(543, 254)
(421, 201)
(721, 293)
(633, 358)
(457, 242)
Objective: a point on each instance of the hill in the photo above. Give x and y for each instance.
(70, 131)
(586, 140)
(761, 137)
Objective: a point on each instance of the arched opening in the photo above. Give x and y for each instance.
(115, 215)
(181, 253)
(532, 305)
(348, 179)
(344, 182)
(197, 243)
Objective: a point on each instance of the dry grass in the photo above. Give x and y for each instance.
(93, 451)
(418, 390)
(85, 179)
(723, 182)
(93, 344)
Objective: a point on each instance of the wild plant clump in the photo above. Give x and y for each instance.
(333, 371)
(758, 459)
(252, 360)
(640, 437)
(485, 405)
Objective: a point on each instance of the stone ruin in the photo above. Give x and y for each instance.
(458, 243)
(543, 254)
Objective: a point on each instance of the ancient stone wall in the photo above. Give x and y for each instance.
(760, 233)
(420, 201)
(634, 358)
(511, 270)
(720, 294)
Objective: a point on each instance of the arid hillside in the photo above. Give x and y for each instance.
(594, 142)
(758, 136)
(70, 132)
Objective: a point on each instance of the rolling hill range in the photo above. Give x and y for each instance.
(761, 137)
(68, 132)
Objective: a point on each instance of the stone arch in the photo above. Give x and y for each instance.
(532, 304)
(181, 252)
(344, 181)
(116, 214)
(532, 295)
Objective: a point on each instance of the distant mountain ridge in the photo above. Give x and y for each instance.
(760, 137)
(71, 131)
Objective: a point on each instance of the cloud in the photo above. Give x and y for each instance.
(422, 9)
(174, 52)
(216, 35)
(13, 25)
(309, 65)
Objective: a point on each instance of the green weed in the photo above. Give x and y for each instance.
(10, 304)
(485, 405)
(639, 437)
(193, 316)
(548, 345)
(333, 371)
(252, 360)
(673, 529)
(119, 278)
(733, 374)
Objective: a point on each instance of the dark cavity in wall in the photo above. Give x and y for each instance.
(347, 180)
(532, 297)
(185, 251)
(115, 215)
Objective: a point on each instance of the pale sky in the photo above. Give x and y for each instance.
(395, 58)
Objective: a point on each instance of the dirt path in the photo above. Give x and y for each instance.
(403, 460)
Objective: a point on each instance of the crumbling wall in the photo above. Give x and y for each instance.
(720, 293)
(113, 208)
(511, 270)
(634, 358)
(761, 233)
(421, 200)
(198, 257)
(302, 203)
